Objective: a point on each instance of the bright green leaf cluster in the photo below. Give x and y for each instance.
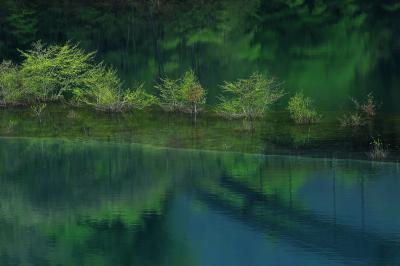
(301, 109)
(183, 94)
(249, 98)
(54, 72)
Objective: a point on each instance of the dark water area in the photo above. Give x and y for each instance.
(331, 50)
(95, 203)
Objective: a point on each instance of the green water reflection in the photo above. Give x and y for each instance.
(93, 203)
(329, 49)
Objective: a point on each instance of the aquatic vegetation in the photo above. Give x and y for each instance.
(193, 93)
(10, 84)
(11, 125)
(301, 109)
(249, 98)
(54, 72)
(362, 112)
(170, 94)
(49, 72)
(352, 120)
(183, 94)
(368, 107)
(139, 98)
(72, 114)
(102, 90)
(37, 109)
(378, 151)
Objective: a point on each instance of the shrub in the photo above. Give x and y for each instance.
(101, 88)
(184, 94)
(103, 92)
(48, 72)
(369, 107)
(139, 99)
(37, 109)
(301, 109)
(10, 85)
(249, 98)
(170, 94)
(51, 72)
(378, 151)
(193, 94)
(362, 112)
(352, 120)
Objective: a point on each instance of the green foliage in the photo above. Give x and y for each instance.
(53, 72)
(48, 72)
(378, 151)
(101, 89)
(170, 94)
(139, 99)
(193, 94)
(10, 84)
(184, 94)
(249, 98)
(37, 109)
(107, 95)
(301, 109)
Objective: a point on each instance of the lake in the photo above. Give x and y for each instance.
(67, 202)
(150, 188)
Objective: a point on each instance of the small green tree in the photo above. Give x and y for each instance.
(100, 88)
(301, 109)
(193, 94)
(170, 94)
(249, 98)
(183, 94)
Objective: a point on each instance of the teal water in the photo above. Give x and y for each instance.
(69, 202)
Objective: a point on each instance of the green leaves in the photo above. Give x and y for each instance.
(301, 109)
(139, 99)
(9, 83)
(53, 71)
(170, 94)
(184, 94)
(249, 98)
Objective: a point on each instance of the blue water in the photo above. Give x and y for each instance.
(92, 203)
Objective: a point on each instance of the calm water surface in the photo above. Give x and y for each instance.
(331, 50)
(93, 203)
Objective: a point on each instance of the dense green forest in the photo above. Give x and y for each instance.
(225, 40)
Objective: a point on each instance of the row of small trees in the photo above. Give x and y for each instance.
(67, 73)
(245, 98)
